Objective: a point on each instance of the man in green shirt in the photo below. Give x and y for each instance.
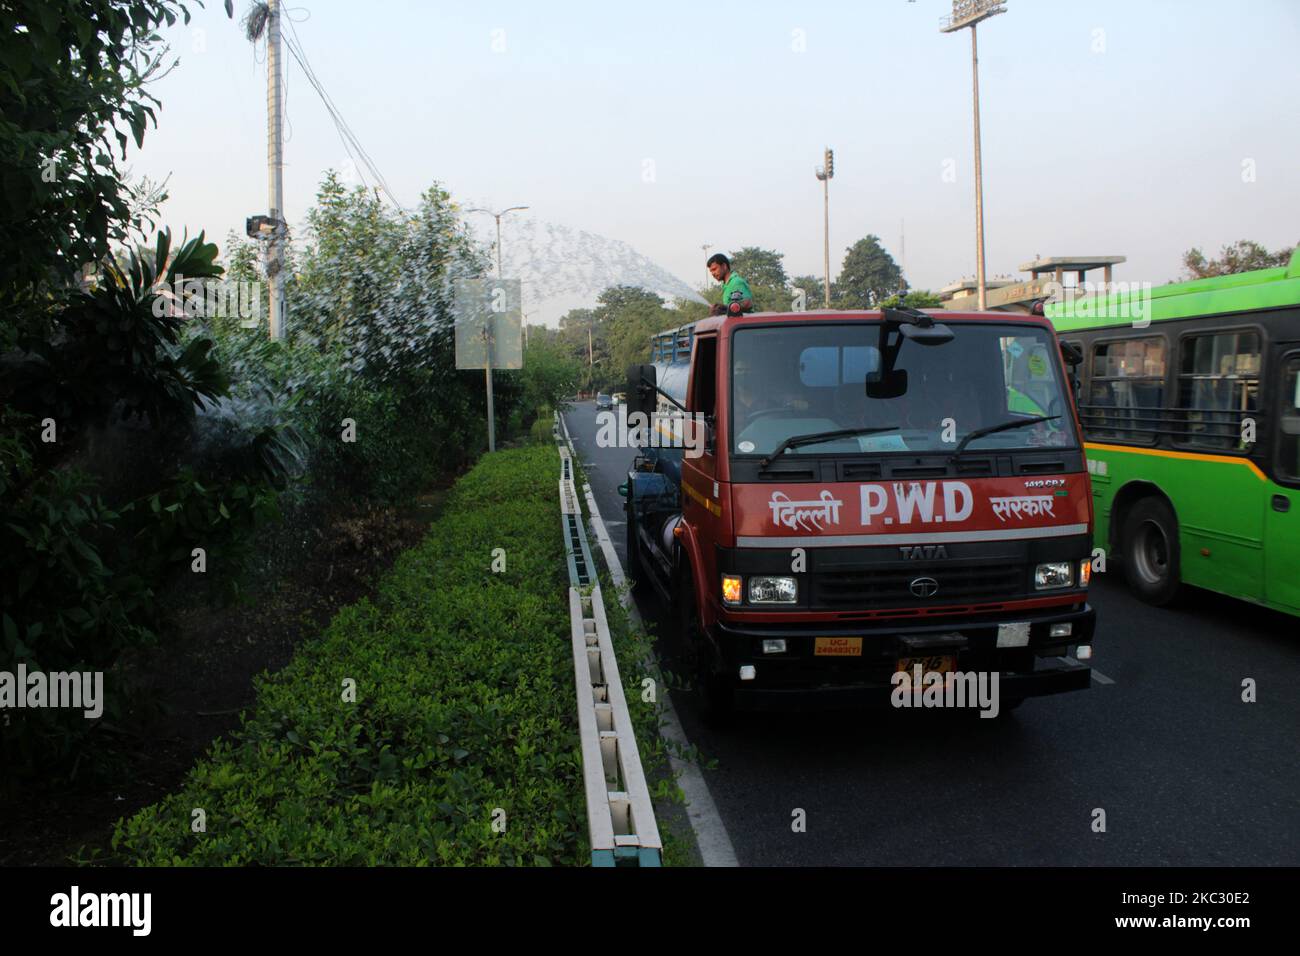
(720, 268)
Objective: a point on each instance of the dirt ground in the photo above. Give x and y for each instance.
(189, 690)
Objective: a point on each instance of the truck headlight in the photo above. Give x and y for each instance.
(773, 590)
(731, 589)
(1055, 574)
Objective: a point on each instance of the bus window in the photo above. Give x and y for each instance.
(1127, 391)
(1218, 383)
(1288, 459)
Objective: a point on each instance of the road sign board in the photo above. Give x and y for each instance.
(489, 316)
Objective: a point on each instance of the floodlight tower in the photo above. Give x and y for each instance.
(968, 13)
(824, 173)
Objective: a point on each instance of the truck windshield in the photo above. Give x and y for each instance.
(794, 380)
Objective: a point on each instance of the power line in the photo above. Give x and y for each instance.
(340, 125)
(347, 136)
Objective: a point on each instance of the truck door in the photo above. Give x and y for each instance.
(1282, 510)
(702, 499)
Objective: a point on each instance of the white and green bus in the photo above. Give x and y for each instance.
(1191, 418)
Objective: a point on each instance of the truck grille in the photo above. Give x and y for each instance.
(892, 587)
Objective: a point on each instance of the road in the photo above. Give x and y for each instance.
(1185, 772)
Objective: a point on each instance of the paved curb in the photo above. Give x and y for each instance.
(710, 832)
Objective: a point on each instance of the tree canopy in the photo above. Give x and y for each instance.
(1244, 255)
(868, 275)
(73, 94)
(760, 266)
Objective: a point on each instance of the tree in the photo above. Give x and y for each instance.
(686, 311)
(814, 296)
(585, 337)
(868, 275)
(72, 88)
(628, 316)
(622, 299)
(760, 267)
(915, 299)
(550, 374)
(1241, 256)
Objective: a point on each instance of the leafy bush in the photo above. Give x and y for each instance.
(543, 429)
(89, 535)
(463, 706)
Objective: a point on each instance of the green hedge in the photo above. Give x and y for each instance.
(464, 704)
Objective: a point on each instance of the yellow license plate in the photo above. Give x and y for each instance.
(942, 663)
(837, 647)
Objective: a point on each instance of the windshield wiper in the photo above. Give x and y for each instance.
(816, 438)
(1004, 427)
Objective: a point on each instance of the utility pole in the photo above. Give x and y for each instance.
(275, 170)
(968, 13)
(824, 173)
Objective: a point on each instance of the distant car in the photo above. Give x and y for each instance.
(603, 401)
(620, 398)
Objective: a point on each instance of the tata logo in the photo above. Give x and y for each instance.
(924, 587)
(929, 552)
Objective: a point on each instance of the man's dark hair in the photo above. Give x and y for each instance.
(720, 259)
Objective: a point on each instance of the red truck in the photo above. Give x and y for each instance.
(863, 494)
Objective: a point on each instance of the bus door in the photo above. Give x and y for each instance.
(1282, 514)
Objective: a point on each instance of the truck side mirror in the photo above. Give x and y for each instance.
(1073, 356)
(641, 394)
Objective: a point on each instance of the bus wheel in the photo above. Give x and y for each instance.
(717, 701)
(1151, 555)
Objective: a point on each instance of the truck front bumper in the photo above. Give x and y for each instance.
(800, 678)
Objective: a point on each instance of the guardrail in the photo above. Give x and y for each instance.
(620, 817)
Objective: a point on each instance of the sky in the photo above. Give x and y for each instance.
(1132, 127)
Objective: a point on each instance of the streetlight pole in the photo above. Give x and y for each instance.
(487, 337)
(824, 173)
(968, 13)
(497, 216)
(979, 172)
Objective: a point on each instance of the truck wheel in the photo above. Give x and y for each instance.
(716, 697)
(1151, 552)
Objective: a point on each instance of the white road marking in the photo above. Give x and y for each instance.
(1100, 678)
